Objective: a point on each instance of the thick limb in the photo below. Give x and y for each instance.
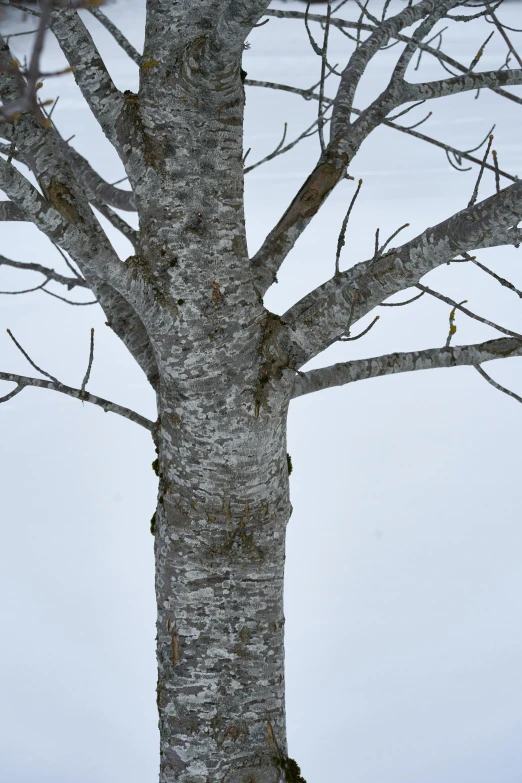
(105, 101)
(464, 83)
(64, 228)
(323, 315)
(409, 361)
(108, 278)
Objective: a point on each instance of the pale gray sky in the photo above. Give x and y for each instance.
(404, 586)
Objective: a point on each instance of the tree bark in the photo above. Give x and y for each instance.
(219, 527)
(223, 397)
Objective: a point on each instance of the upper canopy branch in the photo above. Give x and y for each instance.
(323, 315)
(464, 83)
(346, 137)
(429, 10)
(86, 176)
(438, 53)
(104, 99)
(38, 145)
(95, 185)
(460, 154)
(116, 34)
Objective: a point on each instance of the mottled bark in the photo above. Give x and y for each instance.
(188, 306)
(220, 548)
(223, 479)
(362, 369)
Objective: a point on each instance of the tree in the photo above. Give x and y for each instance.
(188, 305)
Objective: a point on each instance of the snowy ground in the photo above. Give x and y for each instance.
(403, 603)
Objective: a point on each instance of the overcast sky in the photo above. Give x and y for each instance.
(404, 579)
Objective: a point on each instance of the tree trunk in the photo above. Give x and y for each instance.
(220, 549)
(223, 398)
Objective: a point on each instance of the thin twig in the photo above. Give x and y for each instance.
(496, 385)
(69, 301)
(405, 111)
(500, 28)
(465, 310)
(376, 251)
(26, 290)
(417, 124)
(480, 52)
(53, 107)
(342, 233)
(497, 172)
(12, 394)
(474, 195)
(400, 304)
(282, 150)
(313, 43)
(452, 326)
(38, 369)
(324, 55)
(89, 365)
(360, 24)
(49, 274)
(71, 267)
(499, 279)
(24, 381)
(391, 238)
(358, 336)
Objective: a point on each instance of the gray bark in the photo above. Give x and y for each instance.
(188, 306)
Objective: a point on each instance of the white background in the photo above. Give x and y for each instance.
(404, 584)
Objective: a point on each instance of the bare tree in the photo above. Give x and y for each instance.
(188, 306)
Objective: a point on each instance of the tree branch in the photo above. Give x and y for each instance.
(40, 147)
(459, 306)
(410, 361)
(322, 316)
(90, 73)
(106, 275)
(110, 407)
(352, 74)
(310, 95)
(346, 140)
(424, 47)
(116, 221)
(116, 34)
(25, 98)
(87, 177)
(98, 260)
(464, 83)
(496, 385)
(47, 272)
(95, 185)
